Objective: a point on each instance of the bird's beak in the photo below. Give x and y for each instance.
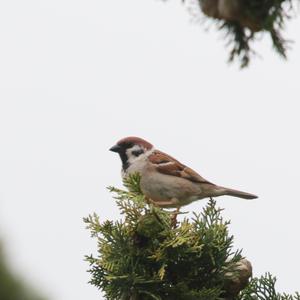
(115, 148)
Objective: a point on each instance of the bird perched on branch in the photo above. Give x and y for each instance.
(165, 181)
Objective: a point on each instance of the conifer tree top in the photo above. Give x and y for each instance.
(143, 256)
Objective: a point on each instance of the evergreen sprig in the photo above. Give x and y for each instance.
(263, 288)
(267, 16)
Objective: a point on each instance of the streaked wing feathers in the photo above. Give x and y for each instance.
(168, 165)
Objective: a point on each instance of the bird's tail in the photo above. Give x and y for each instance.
(235, 193)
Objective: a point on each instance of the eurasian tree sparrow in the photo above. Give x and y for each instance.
(164, 180)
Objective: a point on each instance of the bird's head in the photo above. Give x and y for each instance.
(131, 149)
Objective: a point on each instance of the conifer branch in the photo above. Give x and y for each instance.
(243, 20)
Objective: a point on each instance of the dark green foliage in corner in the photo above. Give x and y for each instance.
(144, 257)
(12, 288)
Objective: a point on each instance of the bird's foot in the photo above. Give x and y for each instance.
(174, 217)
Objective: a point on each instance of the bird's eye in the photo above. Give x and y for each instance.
(137, 152)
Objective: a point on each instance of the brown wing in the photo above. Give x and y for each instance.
(166, 164)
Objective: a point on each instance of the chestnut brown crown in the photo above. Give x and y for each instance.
(129, 142)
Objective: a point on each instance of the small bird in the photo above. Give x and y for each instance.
(165, 181)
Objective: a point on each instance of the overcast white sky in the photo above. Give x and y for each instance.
(77, 75)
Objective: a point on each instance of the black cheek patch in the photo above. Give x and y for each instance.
(137, 152)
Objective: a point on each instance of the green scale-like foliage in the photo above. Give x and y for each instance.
(263, 288)
(143, 256)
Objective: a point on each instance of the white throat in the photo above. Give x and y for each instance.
(136, 164)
